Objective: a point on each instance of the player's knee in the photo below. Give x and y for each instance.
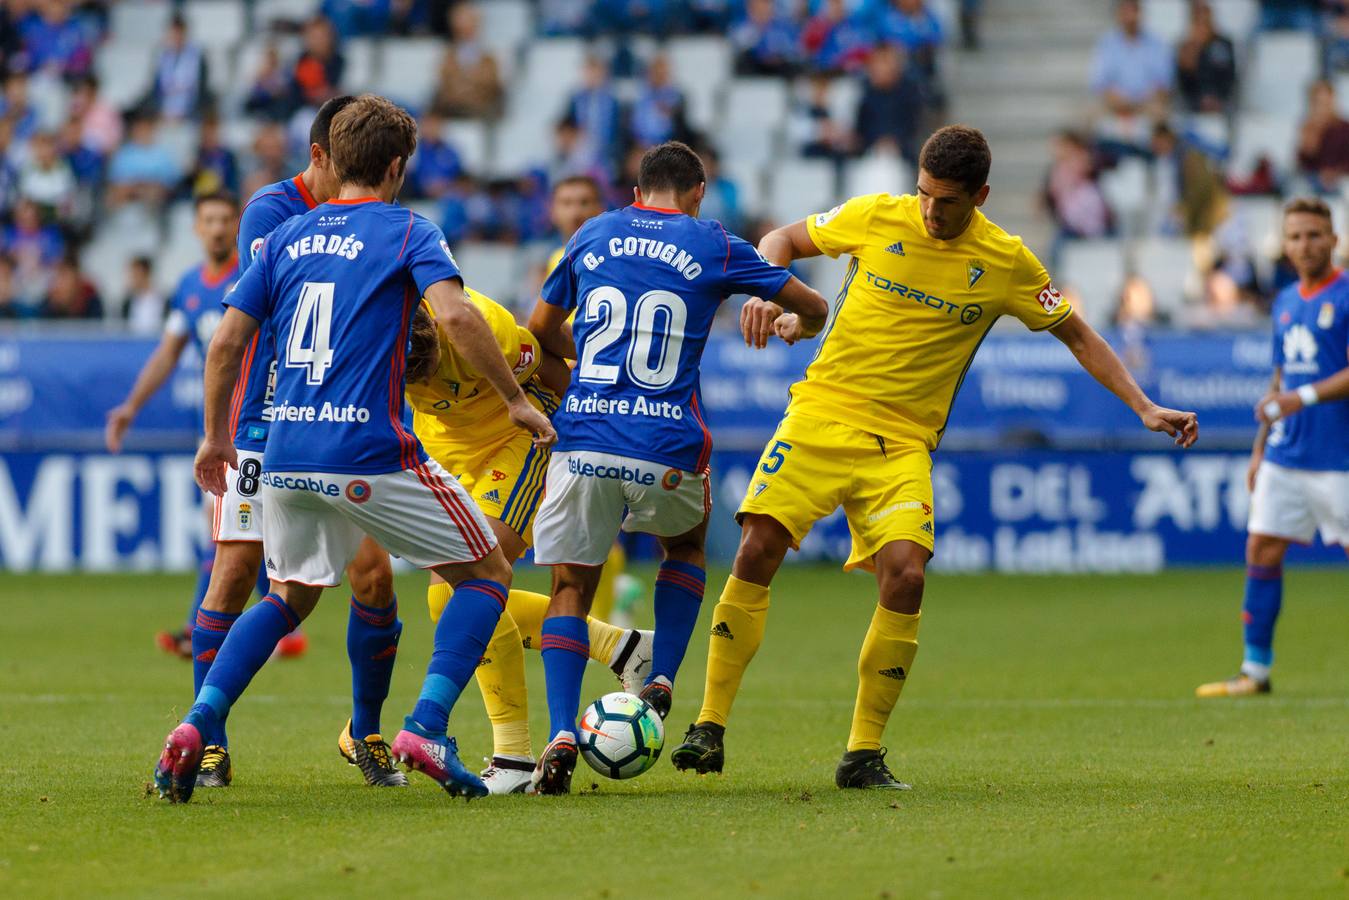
(763, 542)
(232, 580)
(902, 587)
(685, 550)
(495, 567)
(372, 582)
(1262, 550)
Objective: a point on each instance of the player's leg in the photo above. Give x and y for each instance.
(373, 631)
(179, 641)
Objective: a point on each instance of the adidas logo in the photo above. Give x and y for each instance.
(722, 630)
(492, 496)
(927, 527)
(896, 248)
(897, 673)
(484, 660)
(526, 643)
(206, 656)
(388, 652)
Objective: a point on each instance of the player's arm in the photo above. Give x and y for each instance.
(224, 357)
(1278, 404)
(554, 373)
(470, 334)
(1096, 357)
(151, 378)
(548, 323)
(759, 317)
(1262, 433)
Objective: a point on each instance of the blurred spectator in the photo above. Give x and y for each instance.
(658, 114)
(15, 106)
(970, 13)
(180, 88)
(270, 161)
(1137, 304)
(454, 209)
(354, 18)
(722, 199)
(766, 40)
(913, 26)
(470, 82)
(1131, 72)
(70, 295)
(144, 307)
(813, 128)
(1293, 15)
(708, 15)
(836, 39)
(35, 248)
(558, 18)
(318, 71)
(1323, 139)
(269, 93)
(1072, 194)
(215, 168)
(598, 116)
(100, 122)
(1335, 42)
(9, 175)
(11, 305)
(143, 169)
(85, 162)
(9, 39)
(1187, 188)
(46, 178)
(436, 164)
(653, 17)
(1206, 67)
(55, 41)
(887, 114)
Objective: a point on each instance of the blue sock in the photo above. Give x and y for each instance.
(264, 584)
(1264, 597)
(247, 647)
(208, 635)
(372, 647)
(461, 637)
(678, 597)
(566, 650)
(203, 582)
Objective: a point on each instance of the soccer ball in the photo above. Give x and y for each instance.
(621, 735)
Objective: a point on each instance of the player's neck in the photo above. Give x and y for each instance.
(663, 200)
(1312, 282)
(309, 178)
(383, 193)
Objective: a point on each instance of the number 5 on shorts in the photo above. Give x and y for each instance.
(775, 457)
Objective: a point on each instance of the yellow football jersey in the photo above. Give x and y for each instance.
(911, 314)
(457, 395)
(554, 259)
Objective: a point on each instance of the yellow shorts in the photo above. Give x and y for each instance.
(496, 462)
(812, 466)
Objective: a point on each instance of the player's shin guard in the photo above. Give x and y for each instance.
(737, 630)
(501, 678)
(246, 649)
(602, 607)
(208, 636)
(566, 650)
(461, 637)
(1264, 598)
(678, 597)
(887, 655)
(372, 648)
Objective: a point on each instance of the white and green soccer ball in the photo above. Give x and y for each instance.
(621, 735)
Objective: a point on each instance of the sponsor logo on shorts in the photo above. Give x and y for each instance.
(760, 487)
(498, 475)
(245, 516)
(358, 491)
(302, 483)
(618, 473)
(671, 479)
(271, 566)
(256, 432)
(926, 527)
(491, 496)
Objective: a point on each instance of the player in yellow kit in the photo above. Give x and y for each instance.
(930, 274)
(463, 424)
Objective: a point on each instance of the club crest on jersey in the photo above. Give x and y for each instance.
(974, 270)
(825, 218)
(193, 301)
(256, 247)
(897, 248)
(1326, 317)
(671, 479)
(358, 491)
(444, 245)
(245, 516)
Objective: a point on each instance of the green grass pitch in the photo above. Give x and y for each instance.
(1049, 730)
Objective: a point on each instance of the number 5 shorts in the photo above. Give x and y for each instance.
(238, 514)
(813, 466)
(316, 520)
(583, 505)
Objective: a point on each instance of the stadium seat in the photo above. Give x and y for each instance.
(1167, 264)
(1210, 131)
(248, 60)
(411, 70)
(844, 96)
(1265, 135)
(268, 13)
(1282, 65)
(756, 101)
(749, 181)
(362, 56)
(48, 96)
(222, 71)
(181, 138)
(874, 174)
(142, 21)
(470, 139)
(506, 25)
(1261, 219)
(523, 140)
(1095, 270)
(1167, 19)
(123, 72)
(215, 23)
(700, 65)
(799, 187)
(1237, 19)
(1126, 191)
(553, 66)
(494, 269)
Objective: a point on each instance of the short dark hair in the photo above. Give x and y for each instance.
(216, 197)
(582, 180)
(423, 356)
(670, 166)
(143, 262)
(320, 128)
(366, 135)
(957, 153)
(1312, 205)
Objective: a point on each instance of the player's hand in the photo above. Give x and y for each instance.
(1276, 406)
(756, 321)
(119, 421)
(1183, 426)
(1251, 469)
(530, 419)
(212, 458)
(788, 327)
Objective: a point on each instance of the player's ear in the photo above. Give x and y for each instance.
(637, 195)
(318, 157)
(981, 195)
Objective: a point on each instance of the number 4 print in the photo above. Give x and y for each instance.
(310, 331)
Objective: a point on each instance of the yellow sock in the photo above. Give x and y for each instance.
(501, 678)
(528, 609)
(887, 656)
(604, 639)
(437, 598)
(603, 605)
(737, 630)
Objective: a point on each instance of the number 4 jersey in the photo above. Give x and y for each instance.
(645, 284)
(339, 285)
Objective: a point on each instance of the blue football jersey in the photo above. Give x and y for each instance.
(194, 311)
(1311, 342)
(339, 285)
(251, 405)
(645, 284)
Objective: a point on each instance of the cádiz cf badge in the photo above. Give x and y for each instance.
(974, 270)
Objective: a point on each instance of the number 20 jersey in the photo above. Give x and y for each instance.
(645, 284)
(339, 285)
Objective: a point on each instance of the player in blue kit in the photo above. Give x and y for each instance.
(645, 283)
(1299, 472)
(373, 627)
(339, 285)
